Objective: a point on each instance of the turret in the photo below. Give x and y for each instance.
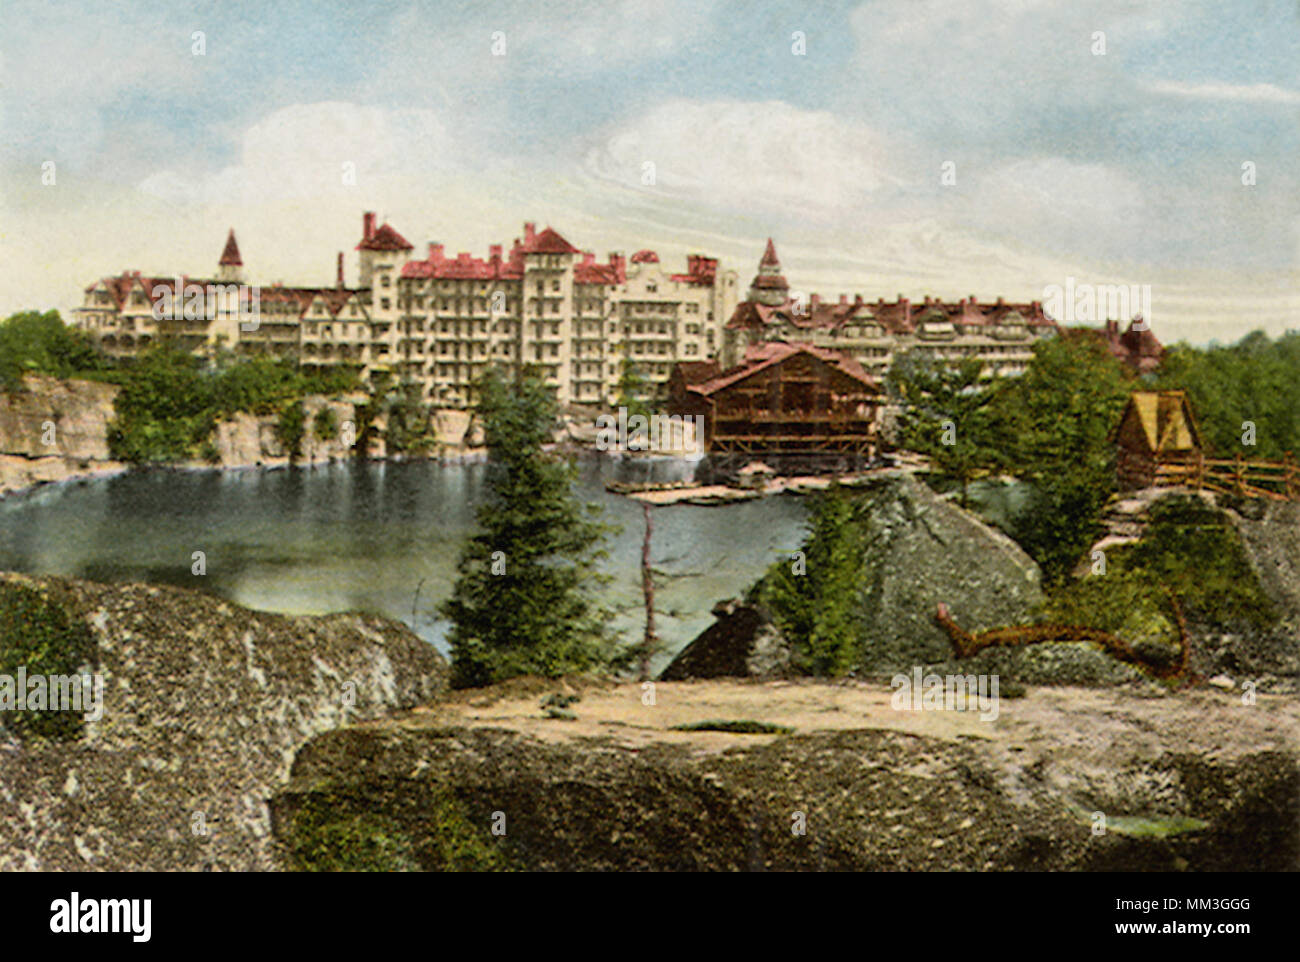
(768, 286)
(230, 269)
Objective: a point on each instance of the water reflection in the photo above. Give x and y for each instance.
(349, 536)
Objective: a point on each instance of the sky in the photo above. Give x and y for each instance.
(916, 147)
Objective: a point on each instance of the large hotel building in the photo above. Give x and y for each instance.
(440, 321)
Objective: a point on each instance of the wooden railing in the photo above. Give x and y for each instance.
(1248, 477)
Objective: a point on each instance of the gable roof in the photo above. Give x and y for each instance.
(1166, 420)
(385, 239)
(762, 356)
(549, 242)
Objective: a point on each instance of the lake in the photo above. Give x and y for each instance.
(367, 536)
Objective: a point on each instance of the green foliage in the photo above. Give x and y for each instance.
(291, 428)
(165, 410)
(170, 403)
(333, 831)
(633, 393)
(410, 429)
(37, 632)
(326, 424)
(537, 615)
(815, 600)
(36, 343)
(324, 839)
(1189, 548)
(1194, 549)
(1252, 380)
(1049, 427)
(740, 727)
(1054, 423)
(947, 414)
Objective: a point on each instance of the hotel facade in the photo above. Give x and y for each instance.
(441, 321)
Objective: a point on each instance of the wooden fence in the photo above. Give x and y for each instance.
(1248, 477)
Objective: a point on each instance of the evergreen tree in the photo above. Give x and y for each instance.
(814, 596)
(523, 601)
(946, 414)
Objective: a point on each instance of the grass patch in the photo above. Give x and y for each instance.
(37, 632)
(333, 832)
(1158, 826)
(739, 727)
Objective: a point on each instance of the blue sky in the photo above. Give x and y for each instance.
(1117, 167)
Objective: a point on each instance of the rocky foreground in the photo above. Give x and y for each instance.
(1184, 780)
(205, 705)
(238, 740)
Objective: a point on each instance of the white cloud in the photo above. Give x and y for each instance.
(751, 156)
(303, 152)
(1244, 93)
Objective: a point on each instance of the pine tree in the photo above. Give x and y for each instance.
(523, 601)
(814, 598)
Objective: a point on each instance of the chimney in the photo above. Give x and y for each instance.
(338, 280)
(530, 232)
(1001, 302)
(973, 300)
(617, 261)
(588, 257)
(368, 225)
(816, 301)
(494, 253)
(857, 300)
(844, 299)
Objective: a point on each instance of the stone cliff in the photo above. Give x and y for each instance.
(54, 430)
(205, 704)
(1062, 779)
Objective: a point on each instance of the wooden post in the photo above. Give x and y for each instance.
(648, 589)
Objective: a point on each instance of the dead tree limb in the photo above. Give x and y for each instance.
(964, 644)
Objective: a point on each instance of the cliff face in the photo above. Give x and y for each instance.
(205, 704)
(1183, 782)
(247, 440)
(54, 430)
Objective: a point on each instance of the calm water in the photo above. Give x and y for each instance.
(347, 536)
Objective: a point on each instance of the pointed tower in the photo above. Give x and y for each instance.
(230, 269)
(768, 286)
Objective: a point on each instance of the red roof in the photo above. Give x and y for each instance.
(597, 274)
(385, 239)
(549, 242)
(769, 256)
(700, 270)
(230, 256)
(765, 355)
(896, 317)
(645, 257)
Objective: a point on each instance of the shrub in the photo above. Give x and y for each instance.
(38, 633)
(292, 428)
(326, 424)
